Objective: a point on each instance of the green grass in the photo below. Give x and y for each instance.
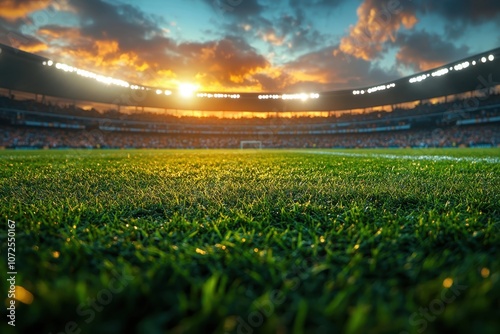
(153, 241)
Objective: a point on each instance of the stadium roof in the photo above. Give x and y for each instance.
(22, 71)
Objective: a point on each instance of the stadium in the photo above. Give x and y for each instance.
(454, 105)
(136, 208)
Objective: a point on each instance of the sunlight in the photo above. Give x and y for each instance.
(187, 89)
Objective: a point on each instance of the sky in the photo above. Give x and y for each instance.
(253, 45)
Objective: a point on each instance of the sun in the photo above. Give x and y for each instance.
(187, 89)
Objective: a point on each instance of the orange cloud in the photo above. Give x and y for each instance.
(229, 65)
(23, 42)
(424, 65)
(103, 56)
(13, 10)
(272, 38)
(315, 76)
(378, 22)
(52, 33)
(34, 48)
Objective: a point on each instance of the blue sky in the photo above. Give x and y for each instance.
(253, 45)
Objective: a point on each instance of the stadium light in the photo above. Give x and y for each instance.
(440, 72)
(301, 96)
(219, 95)
(483, 59)
(376, 88)
(420, 78)
(491, 57)
(87, 74)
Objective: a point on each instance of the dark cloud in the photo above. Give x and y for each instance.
(240, 9)
(460, 16)
(272, 84)
(330, 70)
(299, 33)
(468, 11)
(454, 30)
(124, 23)
(316, 4)
(423, 51)
(291, 29)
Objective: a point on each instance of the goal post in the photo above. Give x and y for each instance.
(251, 144)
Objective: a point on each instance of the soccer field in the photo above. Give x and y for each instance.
(253, 241)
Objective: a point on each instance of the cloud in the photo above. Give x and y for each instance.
(298, 32)
(227, 63)
(422, 51)
(21, 41)
(321, 71)
(378, 22)
(128, 25)
(469, 11)
(13, 10)
(240, 9)
(461, 16)
(316, 4)
(274, 81)
(284, 27)
(271, 37)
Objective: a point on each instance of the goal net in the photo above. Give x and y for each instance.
(251, 144)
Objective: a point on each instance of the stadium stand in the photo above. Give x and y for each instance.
(30, 124)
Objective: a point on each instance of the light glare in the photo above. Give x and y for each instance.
(187, 89)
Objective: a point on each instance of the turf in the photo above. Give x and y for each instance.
(230, 241)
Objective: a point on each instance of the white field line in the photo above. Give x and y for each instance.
(492, 160)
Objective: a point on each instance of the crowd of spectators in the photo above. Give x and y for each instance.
(35, 137)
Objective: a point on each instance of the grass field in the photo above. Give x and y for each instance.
(230, 241)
